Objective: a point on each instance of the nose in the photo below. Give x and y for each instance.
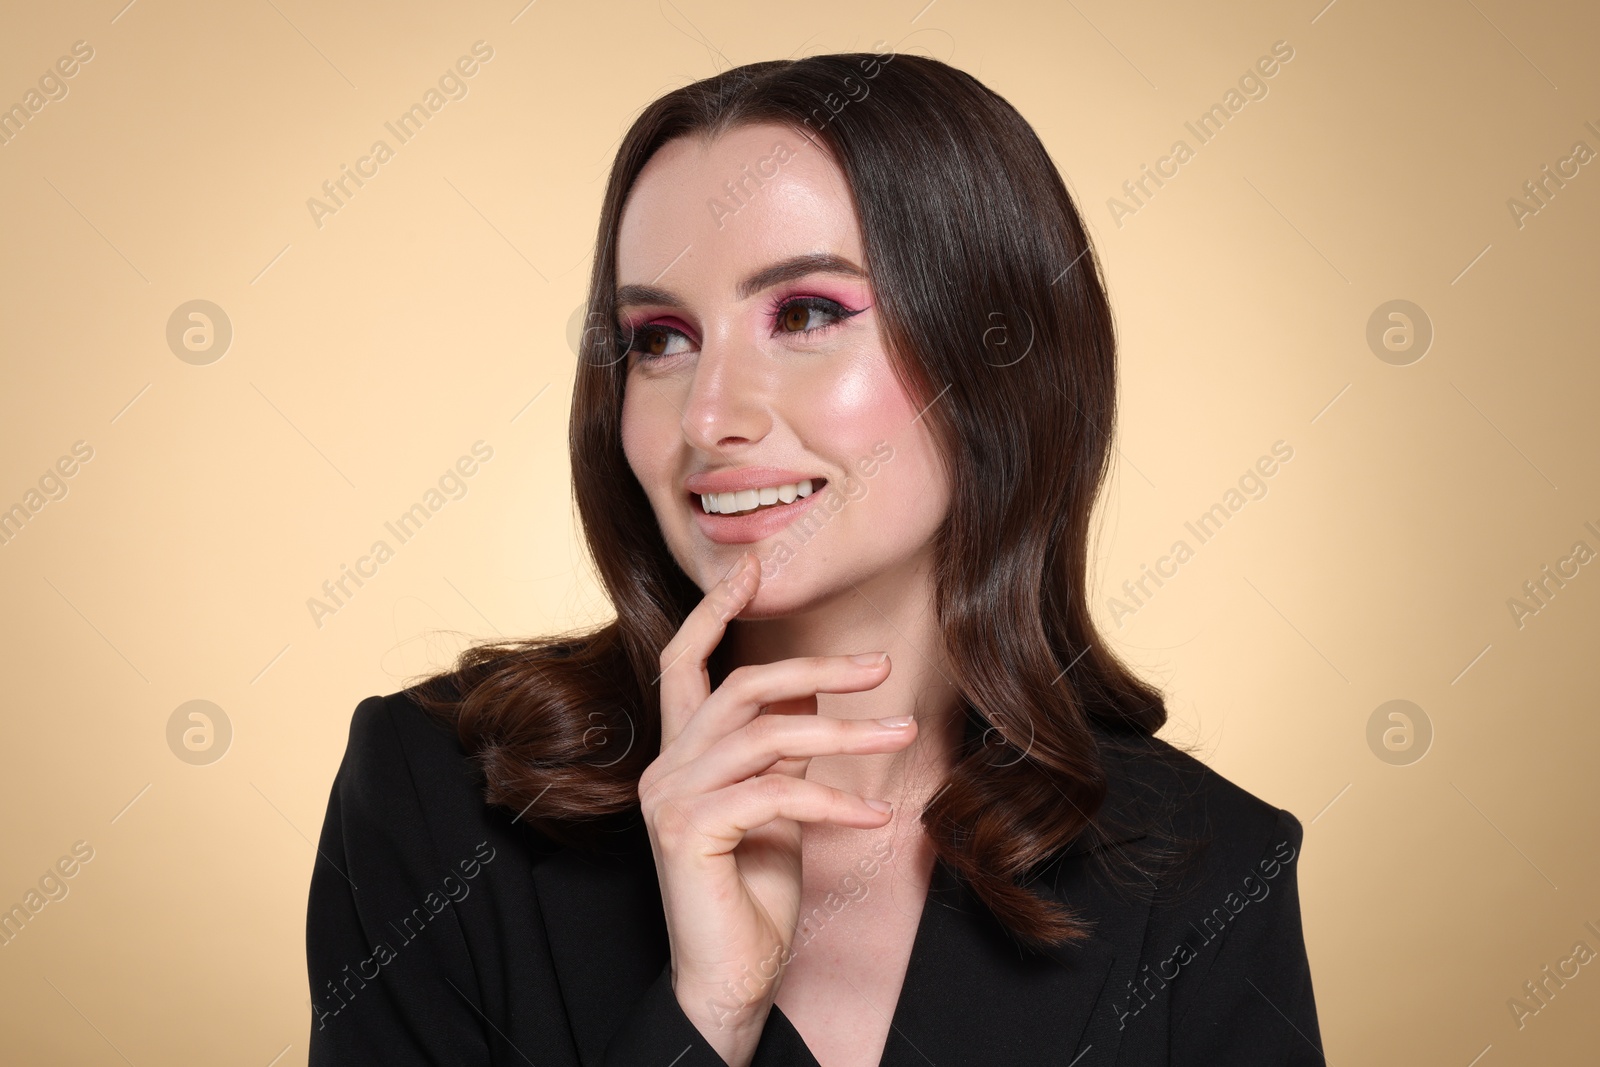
(728, 402)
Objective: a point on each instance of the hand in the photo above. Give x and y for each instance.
(723, 804)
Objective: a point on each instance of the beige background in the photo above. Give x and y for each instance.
(433, 309)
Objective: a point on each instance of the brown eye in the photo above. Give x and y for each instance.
(795, 317)
(808, 315)
(650, 342)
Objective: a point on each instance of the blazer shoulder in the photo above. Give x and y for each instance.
(395, 738)
(1181, 798)
(401, 757)
(400, 728)
(1222, 975)
(404, 757)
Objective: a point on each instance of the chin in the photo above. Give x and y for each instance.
(801, 586)
(795, 587)
(777, 598)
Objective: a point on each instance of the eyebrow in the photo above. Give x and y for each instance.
(787, 270)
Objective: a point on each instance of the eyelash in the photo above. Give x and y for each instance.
(774, 310)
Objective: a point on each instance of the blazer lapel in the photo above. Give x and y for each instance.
(973, 996)
(607, 936)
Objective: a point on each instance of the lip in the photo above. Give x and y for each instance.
(745, 478)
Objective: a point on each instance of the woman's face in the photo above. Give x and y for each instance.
(736, 364)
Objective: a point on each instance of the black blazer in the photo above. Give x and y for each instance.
(441, 930)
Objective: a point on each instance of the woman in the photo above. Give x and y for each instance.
(847, 391)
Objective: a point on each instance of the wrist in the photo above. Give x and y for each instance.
(730, 1024)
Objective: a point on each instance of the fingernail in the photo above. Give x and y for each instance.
(904, 720)
(738, 566)
(870, 659)
(880, 805)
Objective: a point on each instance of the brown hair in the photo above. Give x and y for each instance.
(990, 301)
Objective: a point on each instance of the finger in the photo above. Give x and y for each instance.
(773, 740)
(793, 766)
(746, 690)
(716, 824)
(685, 685)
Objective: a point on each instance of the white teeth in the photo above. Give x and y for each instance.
(749, 499)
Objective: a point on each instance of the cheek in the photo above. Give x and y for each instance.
(917, 490)
(640, 440)
(861, 407)
(861, 412)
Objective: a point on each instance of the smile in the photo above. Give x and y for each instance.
(749, 500)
